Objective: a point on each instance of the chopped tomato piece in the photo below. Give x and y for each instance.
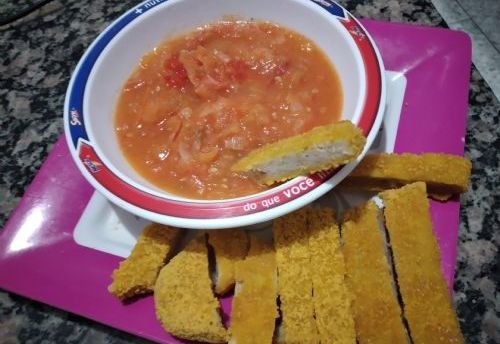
(237, 69)
(175, 74)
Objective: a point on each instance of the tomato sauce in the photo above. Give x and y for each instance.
(199, 102)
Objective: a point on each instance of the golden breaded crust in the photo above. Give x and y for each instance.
(427, 304)
(444, 174)
(331, 297)
(254, 309)
(184, 301)
(137, 274)
(294, 278)
(375, 305)
(230, 246)
(299, 145)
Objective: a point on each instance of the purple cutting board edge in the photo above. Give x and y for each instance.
(40, 260)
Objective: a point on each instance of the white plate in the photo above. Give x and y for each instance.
(110, 229)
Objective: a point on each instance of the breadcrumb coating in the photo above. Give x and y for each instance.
(137, 274)
(331, 297)
(230, 246)
(321, 148)
(375, 305)
(184, 300)
(294, 279)
(254, 309)
(444, 174)
(427, 303)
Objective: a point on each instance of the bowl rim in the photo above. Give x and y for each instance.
(224, 213)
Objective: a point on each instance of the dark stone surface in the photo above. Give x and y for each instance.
(39, 53)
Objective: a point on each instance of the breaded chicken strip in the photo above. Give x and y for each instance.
(254, 309)
(184, 300)
(444, 174)
(427, 304)
(137, 274)
(319, 149)
(331, 297)
(375, 305)
(230, 246)
(291, 242)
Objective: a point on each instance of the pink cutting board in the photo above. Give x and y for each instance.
(40, 260)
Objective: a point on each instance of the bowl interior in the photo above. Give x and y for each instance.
(175, 17)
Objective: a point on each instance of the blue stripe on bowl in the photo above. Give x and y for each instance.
(77, 130)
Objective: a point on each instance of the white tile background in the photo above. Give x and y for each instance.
(481, 20)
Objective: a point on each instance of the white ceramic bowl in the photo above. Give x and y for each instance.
(109, 61)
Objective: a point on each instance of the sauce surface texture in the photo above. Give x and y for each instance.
(199, 102)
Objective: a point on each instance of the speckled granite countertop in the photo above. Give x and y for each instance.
(38, 54)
